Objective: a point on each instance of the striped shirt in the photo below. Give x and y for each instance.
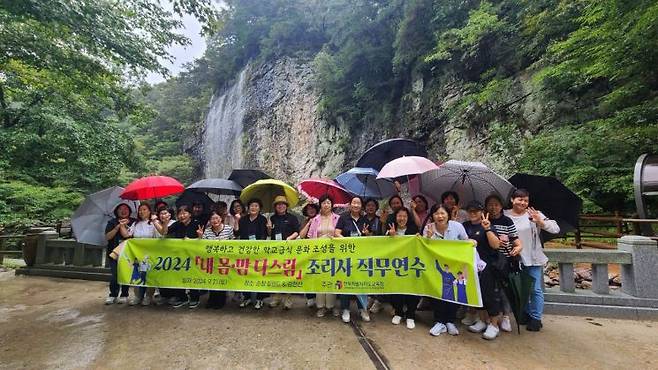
(507, 233)
(226, 233)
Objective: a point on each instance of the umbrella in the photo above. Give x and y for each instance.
(246, 177)
(555, 200)
(90, 219)
(363, 182)
(406, 166)
(268, 189)
(385, 151)
(217, 186)
(517, 289)
(470, 180)
(189, 197)
(313, 189)
(152, 187)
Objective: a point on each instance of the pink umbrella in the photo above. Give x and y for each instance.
(313, 189)
(406, 166)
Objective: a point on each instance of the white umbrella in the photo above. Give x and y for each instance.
(470, 180)
(90, 219)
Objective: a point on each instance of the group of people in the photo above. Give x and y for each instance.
(506, 240)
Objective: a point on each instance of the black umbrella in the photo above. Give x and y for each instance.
(385, 151)
(190, 197)
(246, 177)
(517, 288)
(217, 186)
(556, 201)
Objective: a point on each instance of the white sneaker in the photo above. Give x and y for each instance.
(110, 300)
(134, 301)
(376, 306)
(452, 329)
(336, 311)
(321, 312)
(437, 329)
(364, 315)
(274, 302)
(259, 304)
(491, 333)
(287, 303)
(122, 300)
(470, 319)
(146, 301)
(310, 303)
(478, 327)
(244, 303)
(346, 316)
(505, 324)
(396, 320)
(411, 324)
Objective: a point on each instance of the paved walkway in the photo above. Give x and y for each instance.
(59, 323)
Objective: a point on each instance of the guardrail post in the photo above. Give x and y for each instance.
(41, 245)
(639, 278)
(600, 278)
(567, 283)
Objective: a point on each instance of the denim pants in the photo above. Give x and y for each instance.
(535, 308)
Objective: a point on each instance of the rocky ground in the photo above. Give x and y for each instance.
(63, 324)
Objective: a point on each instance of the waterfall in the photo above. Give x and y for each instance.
(222, 142)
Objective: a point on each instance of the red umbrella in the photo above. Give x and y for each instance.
(152, 187)
(313, 189)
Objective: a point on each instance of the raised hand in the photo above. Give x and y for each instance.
(486, 224)
(429, 231)
(413, 205)
(391, 230)
(365, 230)
(199, 231)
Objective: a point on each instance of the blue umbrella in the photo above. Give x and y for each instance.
(364, 183)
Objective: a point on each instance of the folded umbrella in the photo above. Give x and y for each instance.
(246, 177)
(152, 187)
(517, 289)
(313, 189)
(91, 217)
(217, 186)
(470, 180)
(364, 183)
(268, 189)
(552, 198)
(385, 151)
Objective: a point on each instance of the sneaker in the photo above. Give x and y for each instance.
(134, 301)
(470, 319)
(437, 329)
(321, 312)
(110, 300)
(259, 304)
(274, 302)
(346, 316)
(245, 302)
(364, 315)
(194, 304)
(534, 325)
(287, 302)
(376, 306)
(452, 329)
(336, 311)
(310, 303)
(396, 320)
(146, 301)
(491, 333)
(122, 300)
(478, 327)
(180, 303)
(505, 324)
(411, 324)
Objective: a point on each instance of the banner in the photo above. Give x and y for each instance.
(361, 265)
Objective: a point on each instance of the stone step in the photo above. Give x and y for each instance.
(599, 310)
(65, 273)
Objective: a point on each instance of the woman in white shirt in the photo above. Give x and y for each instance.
(143, 228)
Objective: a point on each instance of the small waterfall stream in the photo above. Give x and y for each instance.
(222, 142)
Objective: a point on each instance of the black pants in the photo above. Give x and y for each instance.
(492, 292)
(444, 312)
(114, 284)
(400, 300)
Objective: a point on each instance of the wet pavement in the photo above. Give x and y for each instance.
(63, 324)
